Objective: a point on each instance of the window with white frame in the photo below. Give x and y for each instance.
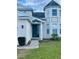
(47, 31)
(55, 31)
(54, 21)
(54, 12)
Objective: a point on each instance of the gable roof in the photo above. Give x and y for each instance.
(39, 14)
(51, 4)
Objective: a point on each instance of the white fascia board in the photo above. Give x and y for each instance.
(34, 18)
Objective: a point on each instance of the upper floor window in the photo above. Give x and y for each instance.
(54, 12)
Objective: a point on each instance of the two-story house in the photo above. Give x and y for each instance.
(38, 25)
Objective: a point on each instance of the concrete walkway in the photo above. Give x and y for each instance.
(34, 44)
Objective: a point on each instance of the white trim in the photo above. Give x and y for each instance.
(34, 18)
(41, 33)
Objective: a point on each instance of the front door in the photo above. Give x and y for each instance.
(35, 30)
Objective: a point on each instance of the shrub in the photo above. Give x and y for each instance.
(55, 37)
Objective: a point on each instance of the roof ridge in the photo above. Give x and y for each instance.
(52, 3)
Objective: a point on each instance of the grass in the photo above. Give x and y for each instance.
(47, 50)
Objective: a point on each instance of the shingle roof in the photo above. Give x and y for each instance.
(23, 8)
(51, 4)
(39, 14)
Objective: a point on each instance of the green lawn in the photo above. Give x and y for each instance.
(47, 50)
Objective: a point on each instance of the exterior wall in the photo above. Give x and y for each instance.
(29, 32)
(21, 32)
(52, 22)
(26, 31)
(44, 30)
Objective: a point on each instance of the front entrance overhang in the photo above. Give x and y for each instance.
(37, 20)
(37, 29)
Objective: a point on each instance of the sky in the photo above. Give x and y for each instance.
(37, 5)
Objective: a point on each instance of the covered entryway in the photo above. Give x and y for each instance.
(37, 30)
(21, 41)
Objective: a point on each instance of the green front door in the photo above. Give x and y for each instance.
(35, 30)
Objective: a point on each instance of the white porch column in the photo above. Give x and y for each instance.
(41, 33)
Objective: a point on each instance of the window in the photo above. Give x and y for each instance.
(60, 28)
(54, 21)
(47, 31)
(60, 31)
(47, 24)
(55, 31)
(22, 26)
(60, 12)
(54, 12)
